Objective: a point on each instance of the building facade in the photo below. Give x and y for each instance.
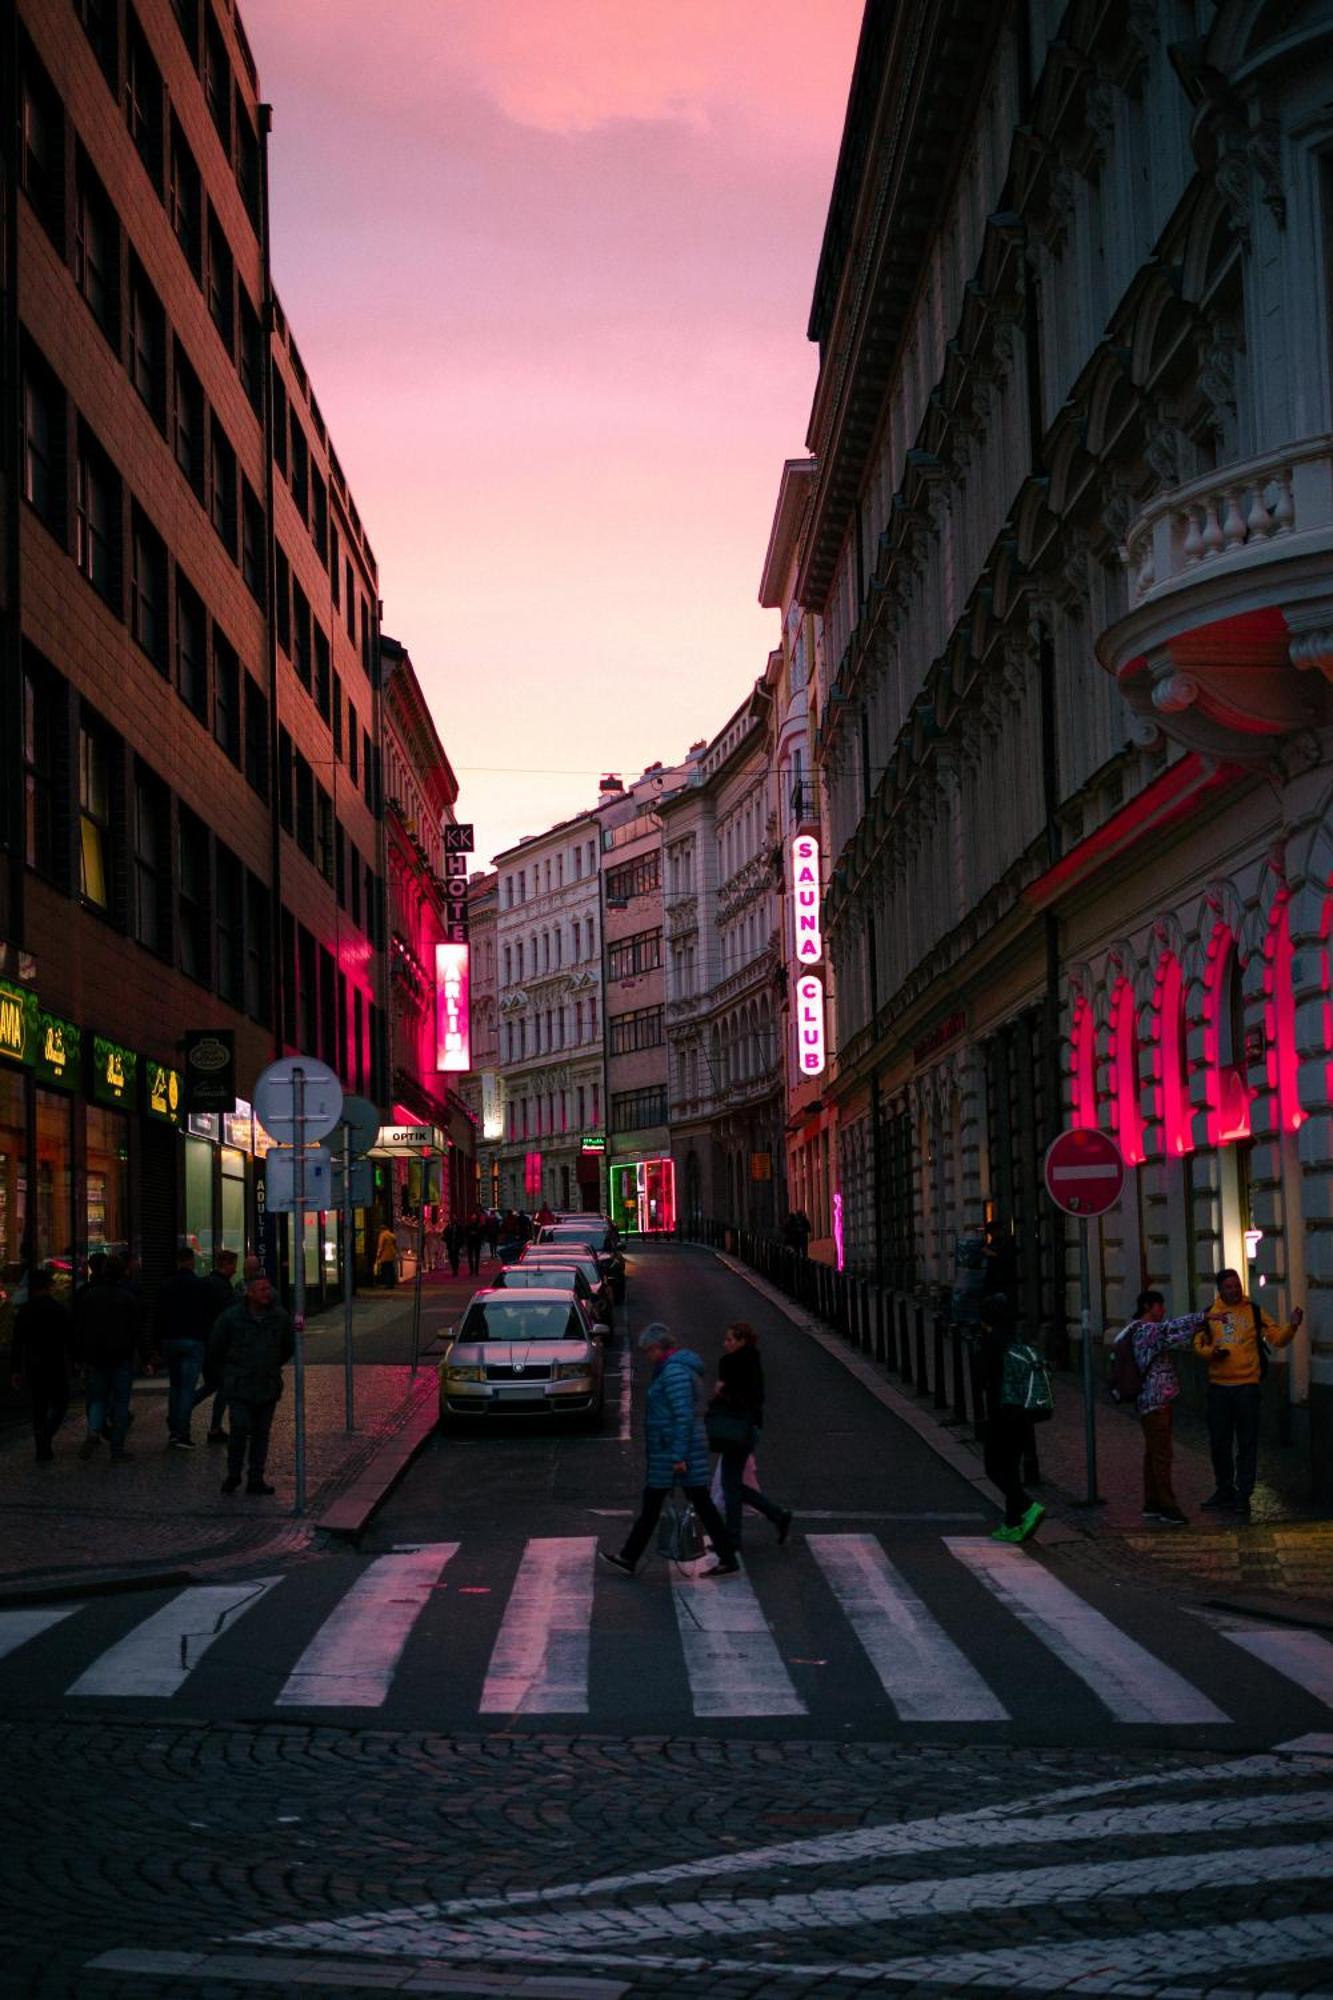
(190, 708)
(482, 1088)
(549, 956)
(1069, 540)
(723, 974)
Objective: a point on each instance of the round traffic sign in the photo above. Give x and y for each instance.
(1084, 1172)
(362, 1120)
(276, 1094)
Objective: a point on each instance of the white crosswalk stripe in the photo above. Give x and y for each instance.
(29, 1622)
(1303, 1657)
(350, 1662)
(1133, 1684)
(731, 1657)
(925, 1675)
(540, 1662)
(157, 1657)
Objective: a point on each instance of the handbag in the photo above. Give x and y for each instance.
(679, 1536)
(727, 1427)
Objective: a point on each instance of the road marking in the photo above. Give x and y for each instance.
(539, 1665)
(157, 1658)
(350, 1661)
(1299, 1656)
(254, 1969)
(731, 1657)
(924, 1674)
(1130, 1681)
(18, 1626)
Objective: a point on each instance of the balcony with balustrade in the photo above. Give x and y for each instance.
(1228, 642)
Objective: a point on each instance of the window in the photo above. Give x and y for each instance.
(43, 137)
(509, 964)
(286, 811)
(222, 484)
(324, 833)
(368, 768)
(96, 517)
(143, 99)
(44, 445)
(250, 351)
(229, 925)
(96, 249)
(337, 716)
(193, 898)
(247, 164)
(301, 635)
(354, 881)
(152, 819)
(217, 79)
(185, 201)
(279, 422)
(258, 918)
(94, 818)
(300, 464)
(99, 25)
(641, 1029)
(252, 542)
(319, 515)
(256, 737)
(335, 568)
(188, 420)
(365, 636)
(43, 739)
(590, 942)
(323, 671)
(148, 593)
(283, 590)
(631, 955)
(307, 989)
(226, 697)
(351, 741)
(187, 20)
(634, 878)
(221, 282)
(191, 641)
(340, 865)
(148, 344)
(351, 603)
(305, 806)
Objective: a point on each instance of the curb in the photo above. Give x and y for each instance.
(97, 1583)
(1313, 1613)
(352, 1512)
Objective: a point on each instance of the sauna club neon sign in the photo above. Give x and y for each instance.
(807, 950)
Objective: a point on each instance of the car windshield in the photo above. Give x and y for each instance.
(573, 1232)
(573, 1260)
(520, 1319)
(555, 1277)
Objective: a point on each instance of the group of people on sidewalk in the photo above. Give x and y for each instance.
(215, 1337)
(684, 1423)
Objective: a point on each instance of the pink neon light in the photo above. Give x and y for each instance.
(452, 1022)
(1125, 1113)
(1171, 1060)
(807, 938)
(811, 1054)
(1283, 1062)
(1229, 1092)
(837, 1228)
(1083, 1066)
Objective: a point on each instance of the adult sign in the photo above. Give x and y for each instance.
(1084, 1172)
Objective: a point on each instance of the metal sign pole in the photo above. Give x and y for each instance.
(349, 1278)
(1089, 1387)
(298, 1293)
(421, 1258)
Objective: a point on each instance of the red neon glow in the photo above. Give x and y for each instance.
(1171, 1059)
(1326, 985)
(839, 1249)
(1229, 1092)
(452, 1023)
(1126, 1116)
(532, 1173)
(1282, 1061)
(1083, 1068)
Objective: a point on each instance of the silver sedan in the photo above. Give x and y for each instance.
(528, 1353)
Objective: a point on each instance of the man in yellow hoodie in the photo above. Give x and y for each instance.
(1233, 1341)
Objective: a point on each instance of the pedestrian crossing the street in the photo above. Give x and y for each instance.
(955, 1631)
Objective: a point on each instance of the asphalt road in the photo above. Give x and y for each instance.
(465, 1758)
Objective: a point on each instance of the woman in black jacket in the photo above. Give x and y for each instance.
(740, 1392)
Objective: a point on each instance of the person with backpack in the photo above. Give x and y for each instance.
(1235, 1342)
(1142, 1372)
(1017, 1387)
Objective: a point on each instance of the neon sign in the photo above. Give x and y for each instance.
(811, 1051)
(452, 1028)
(807, 939)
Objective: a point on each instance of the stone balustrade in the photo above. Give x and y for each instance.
(1234, 513)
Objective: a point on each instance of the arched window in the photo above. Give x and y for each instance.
(1083, 1068)
(1125, 1112)
(1229, 1091)
(1173, 1086)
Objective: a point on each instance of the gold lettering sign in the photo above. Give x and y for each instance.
(53, 1047)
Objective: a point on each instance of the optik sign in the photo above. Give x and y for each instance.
(807, 950)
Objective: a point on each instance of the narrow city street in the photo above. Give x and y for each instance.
(466, 1757)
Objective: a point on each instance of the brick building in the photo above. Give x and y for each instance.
(190, 705)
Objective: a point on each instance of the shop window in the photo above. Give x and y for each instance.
(1229, 1092)
(148, 590)
(44, 445)
(231, 1191)
(13, 1175)
(1083, 1068)
(143, 99)
(94, 818)
(43, 761)
(193, 898)
(53, 1183)
(43, 140)
(107, 1182)
(1281, 1057)
(1170, 1031)
(1127, 1116)
(199, 1201)
(96, 518)
(148, 344)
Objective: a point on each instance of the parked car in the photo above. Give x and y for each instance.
(562, 1274)
(523, 1353)
(595, 1234)
(603, 1297)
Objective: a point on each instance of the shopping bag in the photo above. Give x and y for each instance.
(679, 1536)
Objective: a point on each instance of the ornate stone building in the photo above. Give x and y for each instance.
(1069, 538)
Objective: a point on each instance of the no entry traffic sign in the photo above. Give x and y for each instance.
(1084, 1172)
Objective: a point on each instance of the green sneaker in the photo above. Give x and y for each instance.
(1031, 1521)
(1007, 1534)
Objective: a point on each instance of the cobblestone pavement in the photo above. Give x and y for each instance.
(301, 1861)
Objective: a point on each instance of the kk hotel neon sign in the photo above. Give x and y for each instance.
(807, 950)
(452, 1025)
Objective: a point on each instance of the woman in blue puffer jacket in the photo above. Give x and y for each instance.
(677, 1451)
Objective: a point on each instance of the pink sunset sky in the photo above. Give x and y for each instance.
(550, 264)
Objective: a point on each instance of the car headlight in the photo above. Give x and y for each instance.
(569, 1371)
(464, 1374)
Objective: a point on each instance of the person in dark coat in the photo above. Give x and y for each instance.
(251, 1344)
(40, 1356)
(677, 1451)
(740, 1391)
(472, 1241)
(453, 1243)
(225, 1288)
(108, 1340)
(1008, 1428)
(183, 1313)
(492, 1232)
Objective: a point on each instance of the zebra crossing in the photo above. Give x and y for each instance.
(981, 1635)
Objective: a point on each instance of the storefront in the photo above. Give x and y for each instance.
(222, 1153)
(643, 1196)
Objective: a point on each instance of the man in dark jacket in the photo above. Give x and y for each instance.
(108, 1341)
(251, 1344)
(40, 1356)
(225, 1288)
(184, 1310)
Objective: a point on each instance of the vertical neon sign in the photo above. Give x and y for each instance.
(810, 1046)
(452, 1027)
(807, 939)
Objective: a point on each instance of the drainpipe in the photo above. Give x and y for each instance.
(277, 969)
